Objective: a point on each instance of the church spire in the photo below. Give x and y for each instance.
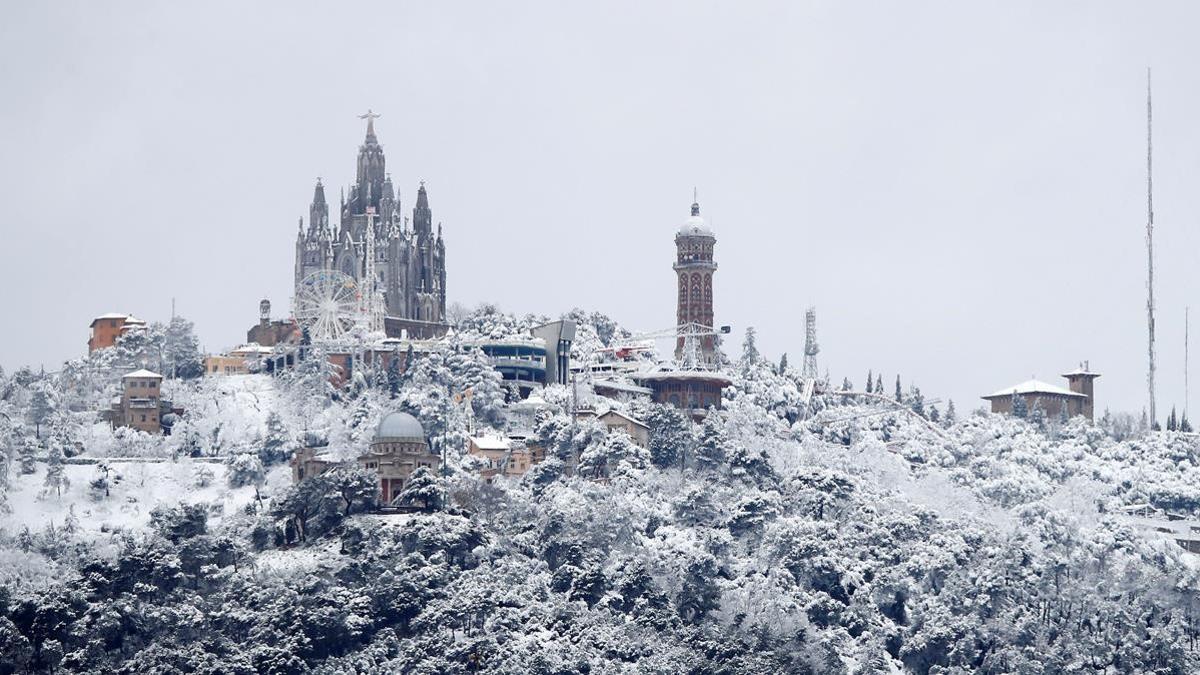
(422, 215)
(318, 211)
(319, 192)
(695, 203)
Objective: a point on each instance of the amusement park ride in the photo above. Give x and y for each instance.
(329, 303)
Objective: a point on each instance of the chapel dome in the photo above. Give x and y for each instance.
(399, 427)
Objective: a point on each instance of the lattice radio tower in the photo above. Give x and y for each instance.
(1150, 246)
(372, 299)
(809, 372)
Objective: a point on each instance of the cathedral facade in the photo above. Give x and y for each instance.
(410, 257)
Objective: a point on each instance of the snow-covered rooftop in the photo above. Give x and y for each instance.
(142, 372)
(620, 386)
(1034, 387)
(700, 375)
(490, 443)
(250, 348)
(695, 226)
(622, 415)
(111, 315)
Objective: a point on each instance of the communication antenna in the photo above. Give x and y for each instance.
(809, 371)
(372, 304)
(1150, 246)
(1185, 360)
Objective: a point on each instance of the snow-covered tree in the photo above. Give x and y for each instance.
(423, 489)
(617, 454)
(710, 451)
(394, 379)
(41, 407)
(100, 485)
(916, 401)
(357, 488)
(181, 349)
(276, 444)
(56, 475)
(670, 436)
(246, 468)
(1019, 408)
(750, 355)
(26, 451)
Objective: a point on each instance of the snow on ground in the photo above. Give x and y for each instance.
(136, 489)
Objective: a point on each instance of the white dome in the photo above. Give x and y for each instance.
(399, 427)
(694, 226)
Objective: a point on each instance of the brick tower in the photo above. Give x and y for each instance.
(694, 267)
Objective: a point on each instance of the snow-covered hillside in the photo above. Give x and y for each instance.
(836, 534)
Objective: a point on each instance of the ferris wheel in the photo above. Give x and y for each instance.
(326, 304)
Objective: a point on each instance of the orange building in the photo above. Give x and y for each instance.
(106, 328)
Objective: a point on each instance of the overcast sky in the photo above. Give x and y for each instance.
(959, 188)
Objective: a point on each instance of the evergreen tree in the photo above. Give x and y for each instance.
(1172, 424)
(99, 485)
(275, 444)
(669, 435)
(935, 415)
(7, 453)
(56, 473)
(879, 384)
(181, 349)
(951, 416)
(870, 382)
(750, 355)
(26, 453)
(1037, 414)
(1064, 413)
(846, 384)
(423, 488)
(357, 488)
(783, 364)
(1184, 425)
(41, 407)
(916, 401)
(1019, 408)
(899, 392)
(25, 540)
(71, 521)
(710, 452)
(394, 379)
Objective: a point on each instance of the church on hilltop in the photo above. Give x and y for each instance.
(410, 258)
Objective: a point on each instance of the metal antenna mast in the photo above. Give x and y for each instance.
(372, 307)
(1185, 361)
(809, 371)
(1150, 245)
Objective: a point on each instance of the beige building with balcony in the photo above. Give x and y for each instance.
(140, 403)
(503, 456)
(616, 420)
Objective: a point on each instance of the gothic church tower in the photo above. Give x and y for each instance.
(410, 265)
